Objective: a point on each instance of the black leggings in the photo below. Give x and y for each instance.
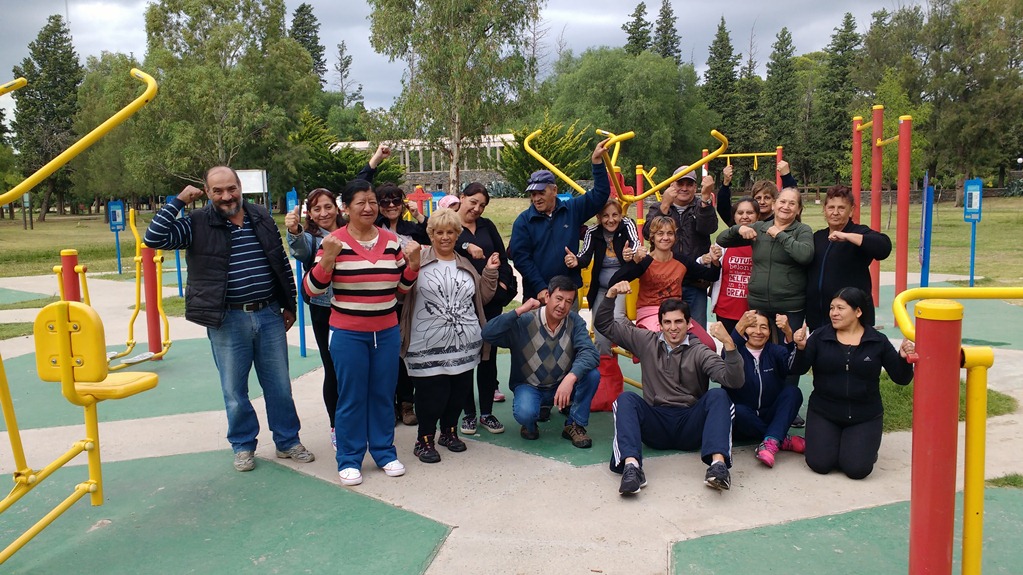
(319, 316)
(440, 398)
(851, 448)
(486, 384)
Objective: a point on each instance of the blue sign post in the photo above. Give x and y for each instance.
(926, 224)
(292, 201)
(115, 213)
(177, 257)
(971, 213)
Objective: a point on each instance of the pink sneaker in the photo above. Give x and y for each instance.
(498, 396)
(794, 443)
(766, 451)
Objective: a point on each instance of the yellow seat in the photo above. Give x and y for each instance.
(71, 349)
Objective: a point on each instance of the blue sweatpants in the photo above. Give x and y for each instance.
(704, 426)
(770, 421)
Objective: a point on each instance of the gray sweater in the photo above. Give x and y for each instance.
(677, 378)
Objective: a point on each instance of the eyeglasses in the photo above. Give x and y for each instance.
(389, 202)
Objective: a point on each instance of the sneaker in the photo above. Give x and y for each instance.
(350, 476)
(468, 425)
(408, 413)
(394, 469)
(718, 477)
(450, 440)
(498, 396)
(766, 450)
(577, 435)
(491, 424)
(794, 443)
(545, 413)
(244, 461)
(633, 479)
(531, 435)
(798, 422)
(425, 450)
(333, 439)
(297, 452)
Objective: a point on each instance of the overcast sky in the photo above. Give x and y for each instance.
(119, 26)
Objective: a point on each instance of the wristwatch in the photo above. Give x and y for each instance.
(465, 246)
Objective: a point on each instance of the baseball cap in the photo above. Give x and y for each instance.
(691, 175)
(539, 180)
(448, 201)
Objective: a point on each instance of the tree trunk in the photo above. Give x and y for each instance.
(44, 204)
(960, 190)
(456, 155)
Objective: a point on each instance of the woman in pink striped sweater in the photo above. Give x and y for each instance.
(366, 267)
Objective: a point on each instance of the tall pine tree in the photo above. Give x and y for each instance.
(719, 80)
(351, 90)
(638, 30)
(831, 117)
(305, 29)
(781, 97)
(748, 134)
(46, 107)
(666, 39)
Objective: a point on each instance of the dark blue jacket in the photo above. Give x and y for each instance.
(538, 241)
(765, 378)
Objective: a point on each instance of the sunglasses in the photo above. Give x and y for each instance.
(389, 202)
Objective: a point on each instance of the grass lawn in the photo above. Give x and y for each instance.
(898, 404)
(1010, 480)
(173, 306)
(16, 329)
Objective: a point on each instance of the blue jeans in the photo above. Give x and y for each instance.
(528, 399)
(367, 374)
(255, 338)
(697, 300)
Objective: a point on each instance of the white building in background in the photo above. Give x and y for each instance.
(417, 157)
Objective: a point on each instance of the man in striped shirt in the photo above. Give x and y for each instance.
(240, 288)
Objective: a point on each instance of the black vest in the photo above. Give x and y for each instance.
(209, 255)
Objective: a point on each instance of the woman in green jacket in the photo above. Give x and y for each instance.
(782, 251)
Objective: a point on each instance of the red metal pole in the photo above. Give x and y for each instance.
(640, 214)
(777, 176)
(939, 326)
(152, 309)
(857, 166)
(902, 215)
(68, 277)
(877, 133)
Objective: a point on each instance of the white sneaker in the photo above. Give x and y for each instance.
(350, 476)
(394, 469)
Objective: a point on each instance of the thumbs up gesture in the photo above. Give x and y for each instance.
(291, 220)
(570, 260)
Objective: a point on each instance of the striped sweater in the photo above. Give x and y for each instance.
(364, 282)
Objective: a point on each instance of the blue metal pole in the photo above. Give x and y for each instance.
(301, 308)
(177, 262)
(117, 240)
(926, 223)
(973, 249)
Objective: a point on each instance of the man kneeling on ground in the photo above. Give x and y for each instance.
(676, 411)
(553, 360)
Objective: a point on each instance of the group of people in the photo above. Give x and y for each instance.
(406, 309)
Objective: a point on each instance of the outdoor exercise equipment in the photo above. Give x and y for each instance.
(777, 154)
(904, 139)
(938, 358)
(70, 348)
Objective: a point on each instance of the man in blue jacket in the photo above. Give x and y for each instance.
(542, 232)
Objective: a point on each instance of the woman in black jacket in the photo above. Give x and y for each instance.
(844, 415)
(842, 255)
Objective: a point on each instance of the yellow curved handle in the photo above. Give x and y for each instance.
(548, 165)
(611, 162)
(721, 149)
(86, 141)
(905, 322)
(13, 85)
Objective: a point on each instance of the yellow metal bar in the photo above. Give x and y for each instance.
(130, 343)
(749, 155)
(692, 167)
(166, 343)
(881, 142)
(80, 490)
(11, 422)
(548, 165)
(977, 360)
(95, 467)
(865, 126)
(67, 374)
(13, 85)
(80, 270)
(905, 323)
(86, 141)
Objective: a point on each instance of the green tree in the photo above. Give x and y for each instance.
(719, 88)
(666, 39)
(237, 84)
(324, 167)
(748, 131)
(638, 31)
(305, 29)
(833, 103)
(893, 42)
(781, 98)
(46, 107)
(466, 63)
(351, 90)
(564, 146)
(809, 71)
(101, 172)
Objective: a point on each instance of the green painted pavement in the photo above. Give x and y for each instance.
(14, 296)
(195, 514)
(188, 384)
(874, 540)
